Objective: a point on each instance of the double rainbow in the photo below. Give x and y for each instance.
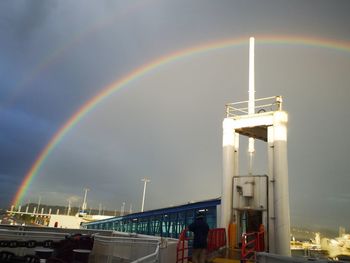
(147, 68)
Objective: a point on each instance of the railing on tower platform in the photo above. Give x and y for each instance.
(261, 105)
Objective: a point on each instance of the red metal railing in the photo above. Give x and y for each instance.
(182, 247)
(251, 243)
(216, 239)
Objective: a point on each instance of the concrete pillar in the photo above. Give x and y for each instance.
(281, 189)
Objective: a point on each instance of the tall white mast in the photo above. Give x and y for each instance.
(251, 101)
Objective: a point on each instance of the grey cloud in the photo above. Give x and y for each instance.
(23, 18)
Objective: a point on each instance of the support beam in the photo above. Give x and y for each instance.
(230, 167)
(281, 191)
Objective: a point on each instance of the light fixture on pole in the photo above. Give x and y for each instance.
(145, 180)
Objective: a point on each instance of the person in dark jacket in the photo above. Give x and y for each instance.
(200, 230)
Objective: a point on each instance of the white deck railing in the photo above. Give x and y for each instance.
(142, 249)
(261, 105)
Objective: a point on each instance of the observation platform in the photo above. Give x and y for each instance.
(254, 125)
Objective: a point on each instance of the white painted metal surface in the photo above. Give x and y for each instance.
(145, 180)
(229, 152)
(279, 219)
(251, 104)
(281, 191)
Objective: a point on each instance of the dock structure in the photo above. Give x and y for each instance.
(164, 222)
(249, 201)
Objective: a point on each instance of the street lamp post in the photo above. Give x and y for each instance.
(84, 206)
(145, 180)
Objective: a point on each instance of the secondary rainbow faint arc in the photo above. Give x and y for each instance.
(143, 70)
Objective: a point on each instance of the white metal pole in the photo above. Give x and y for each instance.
(39, 203)
(251, 101)
(69, 207)
(122, 209)
(229, 161)
(145, 180)
(84, 206)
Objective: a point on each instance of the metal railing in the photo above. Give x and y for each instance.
(261, 105)
(111, 249)
(251, 243)
(21, 242)
(132, 248)
(216, 239)
(149, 258)
(182, 249)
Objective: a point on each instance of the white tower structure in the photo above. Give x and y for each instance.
(249, 201)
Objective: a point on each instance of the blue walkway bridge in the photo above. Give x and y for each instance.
(165, 222)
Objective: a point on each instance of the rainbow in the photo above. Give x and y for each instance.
(338, 45)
